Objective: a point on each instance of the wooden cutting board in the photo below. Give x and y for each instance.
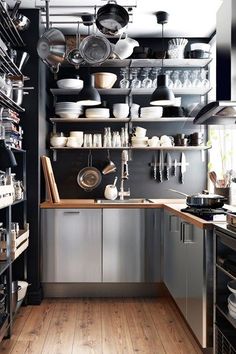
(51, 179)
(48, 188)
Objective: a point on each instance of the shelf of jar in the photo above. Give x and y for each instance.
(170, 148)
(122, 120)
(200, 91)
(151, 63)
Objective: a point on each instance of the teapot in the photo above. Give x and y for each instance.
(111, 191)
(124, 47)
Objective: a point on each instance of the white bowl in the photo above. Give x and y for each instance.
(74, 142)
(23, 285)
(68, 115)
(232, 286)
(200, 46)
(232, 311)
(70, 83)
(151, 112)
(77, 134)
(232, 300)
(58, 141)
(97, 113)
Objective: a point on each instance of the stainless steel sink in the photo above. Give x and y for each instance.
(125, 201)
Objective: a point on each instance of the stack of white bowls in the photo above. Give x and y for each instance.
(97, 113)
(75, 139)
(70, 83)
(232, 298)
(139, 139)
(151, 112)
(68, 110)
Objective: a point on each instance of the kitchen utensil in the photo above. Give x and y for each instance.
(155, 167)
(51, 47)
(182, 167)
(168, 165)
(161, 165)
(111, 191)
(112, 18)
(110, 167)
(202, 200)
(95, 49)
(175, 167)
(20, 21)
(213, 177)
(89, 177)
(21, 59)
(74, 56)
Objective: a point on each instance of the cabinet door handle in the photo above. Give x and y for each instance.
(171, 217)
(71, 212)
(182, 231)
(190, 236)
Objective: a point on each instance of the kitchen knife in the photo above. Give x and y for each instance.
(175, 167)
(155, 167)
(168, 165)
(161, 165)
(182, 167)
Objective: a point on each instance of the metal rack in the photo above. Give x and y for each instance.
(7, 65)
(8, 31)
(7, 102)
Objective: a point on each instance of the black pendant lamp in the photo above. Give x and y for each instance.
(89, 96)
(162, 96)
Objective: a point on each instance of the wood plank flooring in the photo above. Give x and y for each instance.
(100, 326)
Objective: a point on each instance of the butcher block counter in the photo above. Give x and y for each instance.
(172, 205)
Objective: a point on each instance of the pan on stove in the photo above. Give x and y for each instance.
(203, 200)
(89, 177)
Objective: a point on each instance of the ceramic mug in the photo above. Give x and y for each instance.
(140, 132)
(111, 192)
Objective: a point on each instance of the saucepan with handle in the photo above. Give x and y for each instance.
(203, 200)
(89, 177)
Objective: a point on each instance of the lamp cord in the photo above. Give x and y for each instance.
(162, 35)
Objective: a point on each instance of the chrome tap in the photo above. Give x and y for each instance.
(124, 175)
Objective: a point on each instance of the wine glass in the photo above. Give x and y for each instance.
(124, 83)
(176, 81)
(146, 82)
(204, 81)
(195, 78)
(170, 83)
(135, 83)
(186, 81)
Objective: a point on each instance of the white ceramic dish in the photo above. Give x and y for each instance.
(70, 84)
(97, 113)
(77, 134)
(232, 300)
(232, 286)
(232, 311)
(22, 289)
(69, 115)
(200, 46)
(104, 80)
(58, 141)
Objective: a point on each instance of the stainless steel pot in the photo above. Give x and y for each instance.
(17, 91)
(95, 49)
(203, 200)
(112, 18)
(20, 21)
(89, 177)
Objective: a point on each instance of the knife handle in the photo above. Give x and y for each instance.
(160, 176)
(155, 172)
(167, 174)
(182, 178)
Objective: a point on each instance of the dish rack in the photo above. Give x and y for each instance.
(223, 346)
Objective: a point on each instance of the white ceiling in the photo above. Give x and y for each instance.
(188, 18)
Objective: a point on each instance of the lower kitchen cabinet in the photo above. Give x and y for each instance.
(71, 241)
(186, 268)
(131, 245)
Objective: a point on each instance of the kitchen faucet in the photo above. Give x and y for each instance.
(124, 175)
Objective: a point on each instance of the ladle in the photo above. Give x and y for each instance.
(74, 57)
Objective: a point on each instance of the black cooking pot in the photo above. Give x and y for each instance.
(203, 200)
(112, 18)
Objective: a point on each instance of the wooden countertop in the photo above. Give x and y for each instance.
(171, 205)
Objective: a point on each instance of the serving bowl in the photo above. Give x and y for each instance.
(104, 80)
(70, 83)
(58, 141)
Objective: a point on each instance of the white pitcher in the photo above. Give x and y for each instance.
(124, 47)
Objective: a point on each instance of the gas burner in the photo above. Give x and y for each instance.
(218, 214)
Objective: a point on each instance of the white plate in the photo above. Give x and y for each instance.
(232, 286)
(232, 300)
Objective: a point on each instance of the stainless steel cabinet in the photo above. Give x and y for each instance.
(185, 271)
(72, 240)
(131, 245)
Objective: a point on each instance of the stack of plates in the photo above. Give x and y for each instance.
(68, 110)
(70, 83)
(232, 298)
(151, 112)
(97, 113)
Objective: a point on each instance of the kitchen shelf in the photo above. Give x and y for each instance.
(9, 103)
(150, 63)
(124, 120)
(225, 272)
(201, 91)
(8, 31)
(171, 148)
(4, 265)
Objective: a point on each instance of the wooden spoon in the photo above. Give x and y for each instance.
(213, 177)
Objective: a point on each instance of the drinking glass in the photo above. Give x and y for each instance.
(170, 83)
(186, 81)
(124, 83)
(107, 137)
(176, 81)
(146, 82)
(135, 83)
(97, 140)
(88, 142)
(204, 81)
(116, 139)
(195, 78)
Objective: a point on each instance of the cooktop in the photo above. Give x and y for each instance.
(218, 214)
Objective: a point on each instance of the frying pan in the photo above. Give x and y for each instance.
(112, 18)
(89, 177)
(202, 200)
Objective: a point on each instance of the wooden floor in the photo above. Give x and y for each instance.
(108, 326)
